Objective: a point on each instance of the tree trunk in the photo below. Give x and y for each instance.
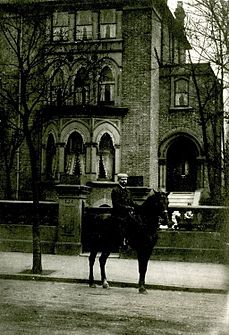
(37, 264)
(8, 187)
(8, 170)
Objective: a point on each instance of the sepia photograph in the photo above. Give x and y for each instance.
(114, 167)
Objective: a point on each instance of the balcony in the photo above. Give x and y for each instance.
(52, 112)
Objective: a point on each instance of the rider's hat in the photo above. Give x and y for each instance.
(122, 175)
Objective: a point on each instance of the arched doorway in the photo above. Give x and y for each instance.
(181, 167)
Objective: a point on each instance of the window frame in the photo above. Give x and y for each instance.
(64, 29)
(80, 37)
(57, 88)
(173, 106)
(103, 23)
(103, 166)
(182, 92)
(83, 91)
(50, 159)
(104, 84)
(75, 158)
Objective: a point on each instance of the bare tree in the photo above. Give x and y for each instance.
(208, 28)
(25, 62)
(208, 92)
(10, 140)
(31, 65)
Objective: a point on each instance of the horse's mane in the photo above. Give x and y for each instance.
(148, 205)
(151, 199)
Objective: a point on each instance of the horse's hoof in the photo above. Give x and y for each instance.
(92, 285)
(142, 290)
(105, 284)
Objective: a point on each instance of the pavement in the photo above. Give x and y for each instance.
(164, 275)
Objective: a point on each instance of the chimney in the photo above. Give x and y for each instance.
(180, 13)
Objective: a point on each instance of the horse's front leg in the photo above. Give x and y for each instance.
(102, 262)
(92, 258)
(143, 259)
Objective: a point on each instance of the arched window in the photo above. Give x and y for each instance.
(106, 158)
(181, 96)
(106, 86)
(75, 155)
(57, 89)
(81, 88)
(50, 157)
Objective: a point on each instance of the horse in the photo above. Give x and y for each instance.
(141, 228)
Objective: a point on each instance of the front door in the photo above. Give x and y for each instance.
(181, 166)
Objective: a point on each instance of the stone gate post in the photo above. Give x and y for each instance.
(71, 204)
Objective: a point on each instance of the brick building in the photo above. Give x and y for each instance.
(123, 99)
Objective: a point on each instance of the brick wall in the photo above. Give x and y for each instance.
(137, 93)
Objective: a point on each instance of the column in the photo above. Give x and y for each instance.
(117, 160)
(162, 174)
(200, 173)
(94, 168)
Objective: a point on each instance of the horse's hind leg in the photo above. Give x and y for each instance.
(102, 262)
(92, 257)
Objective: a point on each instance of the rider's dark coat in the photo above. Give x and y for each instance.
(122, 201)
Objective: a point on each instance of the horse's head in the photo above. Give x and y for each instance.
(158, 202)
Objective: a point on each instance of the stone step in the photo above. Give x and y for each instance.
(181, 198)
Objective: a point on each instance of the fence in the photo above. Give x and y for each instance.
(201, 218)
(16, 220)
(193, 233)
(21, 212)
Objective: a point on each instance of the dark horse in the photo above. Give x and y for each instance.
(140, 231)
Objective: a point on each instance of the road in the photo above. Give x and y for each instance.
(37, 308)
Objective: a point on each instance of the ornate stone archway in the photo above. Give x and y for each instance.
(181, 163)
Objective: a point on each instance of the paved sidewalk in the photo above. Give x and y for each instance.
(203, 277)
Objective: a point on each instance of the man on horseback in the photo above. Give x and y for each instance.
(137, 223)
(123, 207)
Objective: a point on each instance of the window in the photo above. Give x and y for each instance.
(75, 155)
(57, 89)
(50, 158)
(181, 93)
(108, 23)
(84, 25)
(60, 27)
(106, 158)
(81, 88)
(106, 86)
